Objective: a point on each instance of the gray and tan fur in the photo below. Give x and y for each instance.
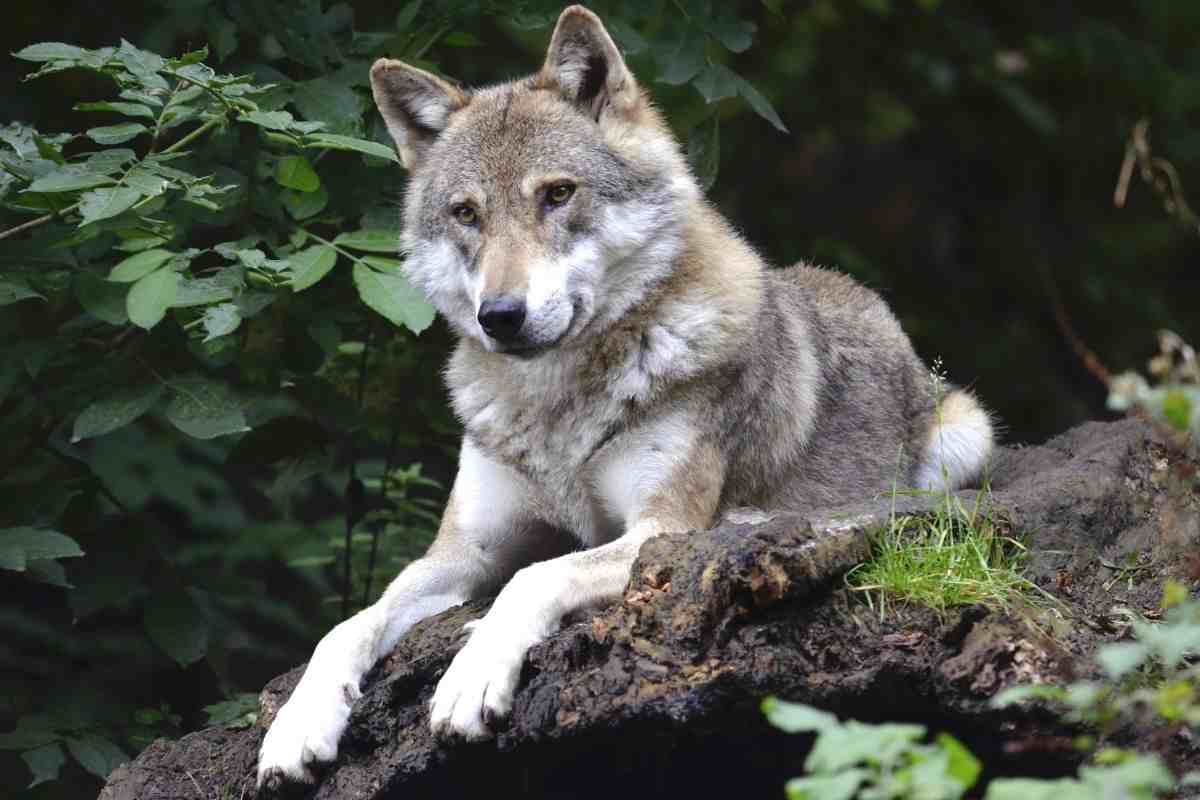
(627, 365)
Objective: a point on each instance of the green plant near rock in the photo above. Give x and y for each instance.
(1151, 680)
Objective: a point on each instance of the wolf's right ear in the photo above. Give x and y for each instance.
(416, 105)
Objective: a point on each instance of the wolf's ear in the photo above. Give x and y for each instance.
(586, 65)
(415, 104)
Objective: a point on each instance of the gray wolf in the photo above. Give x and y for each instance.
(627, 365)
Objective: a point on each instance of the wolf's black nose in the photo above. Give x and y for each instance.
(502, 317)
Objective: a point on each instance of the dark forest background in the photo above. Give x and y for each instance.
(961, 158)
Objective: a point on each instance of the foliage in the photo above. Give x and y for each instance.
(1153, 679)
(873, 762)
(215, 403)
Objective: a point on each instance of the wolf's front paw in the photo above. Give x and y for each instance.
(477, 690)
(305, 733)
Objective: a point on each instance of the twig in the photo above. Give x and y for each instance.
(1091, 361)
(354, 488)
(33, 223)
(388, 463)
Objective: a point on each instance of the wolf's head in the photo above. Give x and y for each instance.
(537, 211)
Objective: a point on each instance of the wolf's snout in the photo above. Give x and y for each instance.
(501, 318)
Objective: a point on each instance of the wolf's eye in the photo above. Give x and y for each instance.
(559, 193)
(465, 214)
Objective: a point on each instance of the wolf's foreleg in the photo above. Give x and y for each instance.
(478, 688)
(485, 534)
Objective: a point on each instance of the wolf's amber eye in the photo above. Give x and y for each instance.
(559, 193)
(465, 214)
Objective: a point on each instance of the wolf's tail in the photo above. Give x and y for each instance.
(960, 440)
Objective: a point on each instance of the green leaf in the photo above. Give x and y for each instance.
(44, 762)
(175, 624)
(271, 120)
(49, 572)
(760, 104)
(204, 291)
(19, 546)
(1177, 409)
(854, 742)
(116, 411)
(796, 717)
(406, 15)
(106, 162)
(295, 172)
(139, 265)
(681, 64)
(311, 265)
(1035, 114)
(704, 152)
(128, 109)
(963, 767)
(371, 241)
(1034, 789)
(96, 754)
(1140, 772)
(331, 102)
(461, 39)
(69, 179)
(716, 82)
(116, 134)
(221, 320)
(101, 204)
(50, 51)
(205, 408)
(333, 141)
(14, 290)
(1120, 658)
(842, 786)
(150, 297)
(302, 205)
(393, 297)
(240, 711)
(735, 35)
(146, 182)
(102, 299)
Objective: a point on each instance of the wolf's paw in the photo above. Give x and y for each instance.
(305, 733)
(477, 690)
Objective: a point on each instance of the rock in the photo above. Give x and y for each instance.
(662, 690)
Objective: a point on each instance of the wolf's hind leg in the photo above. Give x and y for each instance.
(958, 445)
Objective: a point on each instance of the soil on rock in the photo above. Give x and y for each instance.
(662, 690)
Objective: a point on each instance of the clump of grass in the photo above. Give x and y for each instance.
(952, 556)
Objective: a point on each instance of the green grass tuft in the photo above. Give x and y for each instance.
(952, 556)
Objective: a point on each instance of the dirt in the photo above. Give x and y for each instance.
(663, 690)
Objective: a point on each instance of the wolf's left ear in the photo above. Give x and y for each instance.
(586, 65)
(416, 105)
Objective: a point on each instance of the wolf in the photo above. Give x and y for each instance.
(626, 365)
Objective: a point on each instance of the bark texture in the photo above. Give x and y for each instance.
(661, 691)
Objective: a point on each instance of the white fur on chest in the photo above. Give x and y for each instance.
(593, 458)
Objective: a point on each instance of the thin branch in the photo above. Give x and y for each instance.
(354, 492)
(42, 220)
(1091, 362)
(388, 463)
